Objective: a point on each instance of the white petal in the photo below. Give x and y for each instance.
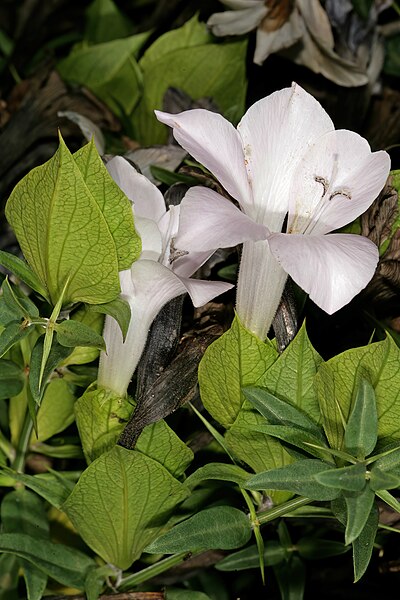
(208, 221)
(201, 291)
(269, 42)
(186, 265)
(88, 128)
(335, 182)
(148, 200)
(151, 238)
(236, 22)
(332, 269)
(276, 131)
(215, 143)
(168, 226)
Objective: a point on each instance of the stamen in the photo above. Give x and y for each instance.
(174, 254)
(323, 182)
(344, 193)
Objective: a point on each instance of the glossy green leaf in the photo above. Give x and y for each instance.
(66, 565)
(235, 360)
(362, 427)
(359, 506)
(105, 22)
(298, 478)
(114, 205)
(64, 236)
(280, 412)
(118, 518)
(13, 333)
(186, 58)
(219, 527)
(119, 309)
(315, 548)
(219, 471)
(109, 70)
(100, 416)
(337, 383)
(11, 379)
(383, 480)
(72, 333)
(249, 558)
(22, 270)
(352, 478)
(364, 544)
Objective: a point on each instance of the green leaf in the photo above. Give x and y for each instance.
(66, 565)
(170, 177)
(362, 7)
(219, 527)
(100, 416)
(109, 70)
(56, 411)
(159, 442)
(53, 489)
(64, 235)
(298, 478)
(13, 333)
(23, 512)
(351, 478)
(19, 306)
(105, 22)
(119, 309)
(11, 379)
(390, 461)
(235, 360)
(114, 205)
(186, 58)
(291, 377)
(291, 577)
(382, 480)
(249, 558)
(392, 61)
(176, 594)
(337, 383)
(364, 544)
(23, 272)
(280, 412)
(9, 577)
(319, 549)
(119, 517)
(362, 427)
(96, 579)
(359, 506)
(72, 333)
(85, 354)
(389, 499)
(220, 471)
(57, 354)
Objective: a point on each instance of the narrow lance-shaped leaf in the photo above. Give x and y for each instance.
(364, 544)
(383, 480)
(359, 506)
(23, 272)
(19, 306)
(13, 333)
(351, 478)
(72, 333)
(362, 427)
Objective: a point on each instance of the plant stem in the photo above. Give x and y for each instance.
(23, 443)
(7, 447)
(282, 509)
(131, 581)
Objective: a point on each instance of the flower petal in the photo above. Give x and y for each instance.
(275, 132)
(148, 200)
(201, 291)
(332, 269)
(336, 181)
(215, 143)
(151, 238)
(236, 22)
(208, 221)
(268, 42)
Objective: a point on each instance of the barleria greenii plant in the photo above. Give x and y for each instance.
(294, 435)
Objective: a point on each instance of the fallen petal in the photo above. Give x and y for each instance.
(237, 22)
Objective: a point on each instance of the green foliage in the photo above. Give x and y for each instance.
(220, 527)
(11, 379)
(118, 521)
(392, 60)
(105, 22)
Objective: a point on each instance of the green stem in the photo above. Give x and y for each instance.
(130, 581)
(23, 443)
(282, 509)
(396, 7)
(7, 447)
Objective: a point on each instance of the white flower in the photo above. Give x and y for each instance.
(159, 275)
(298, 28)
(284, 161)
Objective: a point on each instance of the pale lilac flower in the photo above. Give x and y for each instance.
(160, 274)
(284, 161)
